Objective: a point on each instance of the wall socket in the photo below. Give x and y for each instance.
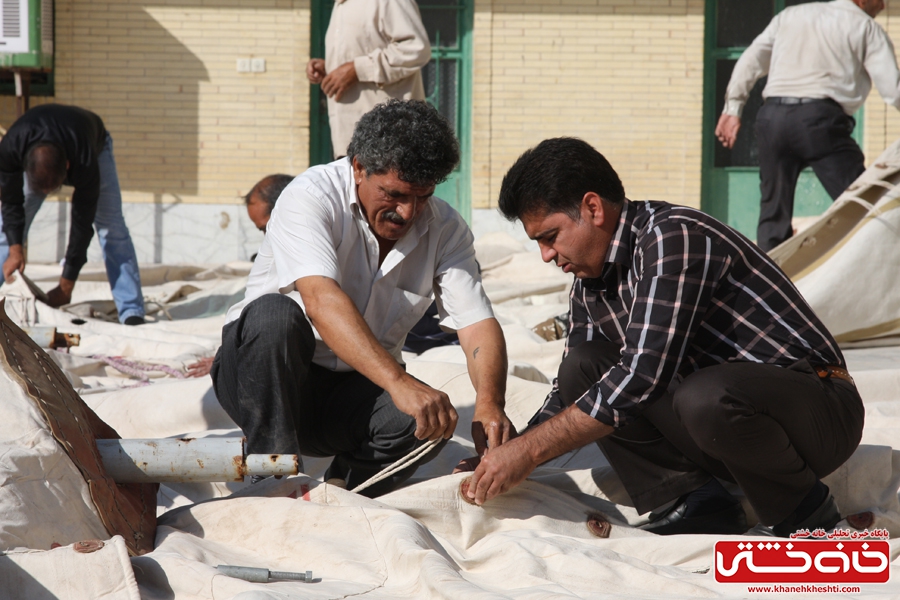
(251, 65)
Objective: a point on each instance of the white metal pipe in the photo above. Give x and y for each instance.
(270, 464)
(189, 459)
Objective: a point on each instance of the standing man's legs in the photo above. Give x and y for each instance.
(834, 154)
(779, 168)
(33, 202)
(115, 240)
(790, 137)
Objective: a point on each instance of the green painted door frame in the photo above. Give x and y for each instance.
(730, 179)
(448, 86)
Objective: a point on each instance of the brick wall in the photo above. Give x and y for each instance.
(882, 122)
(625, 75)
(162, 74)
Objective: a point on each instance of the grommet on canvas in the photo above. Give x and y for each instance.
(860, 521)
(87, 546)
(464, 491)
(598, 525)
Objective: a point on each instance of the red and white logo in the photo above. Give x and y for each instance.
(803, 561)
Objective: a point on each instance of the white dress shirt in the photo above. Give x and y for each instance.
(388, 46)
(317, 228)
(818, 50)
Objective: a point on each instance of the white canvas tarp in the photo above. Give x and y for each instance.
(423, 541)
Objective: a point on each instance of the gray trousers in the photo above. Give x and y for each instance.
(772, 430)
(264, 378)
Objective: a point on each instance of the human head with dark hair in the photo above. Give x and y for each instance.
(554, 176)
(569, 199)
(46, 165)
(261, 198)
(409, 137)
(400, 151)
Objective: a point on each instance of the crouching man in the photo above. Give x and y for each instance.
(691, 358)
(354, 252)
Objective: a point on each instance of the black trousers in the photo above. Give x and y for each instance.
(774, 431)
(264, 378)
(790, 138)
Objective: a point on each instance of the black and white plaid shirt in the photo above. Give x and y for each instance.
(681, 291)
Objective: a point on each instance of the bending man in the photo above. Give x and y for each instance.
(55, 144)
(354, 251)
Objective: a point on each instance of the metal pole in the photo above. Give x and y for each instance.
(189, 459)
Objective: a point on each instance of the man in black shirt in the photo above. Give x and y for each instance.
(690, 358)
(51, 145)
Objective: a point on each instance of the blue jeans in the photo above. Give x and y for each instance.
(115, 240)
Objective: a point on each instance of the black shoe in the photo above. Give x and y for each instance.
(826, 517)
(728, 521)
(134, 320)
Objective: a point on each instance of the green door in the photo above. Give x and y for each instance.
(731, 177)
(447, 79)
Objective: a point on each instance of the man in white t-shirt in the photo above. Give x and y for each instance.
(354, 251)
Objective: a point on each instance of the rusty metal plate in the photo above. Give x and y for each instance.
(87, 546)
(128, 510)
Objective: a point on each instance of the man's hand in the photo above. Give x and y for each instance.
(490, 427)
(501, 469)
(435, 416)
(506, 466)
(15, 261)
(61, 294)
(727, 129)
(201, 368)
(339, 81)
(315, 70)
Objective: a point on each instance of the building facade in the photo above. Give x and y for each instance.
(196, 121)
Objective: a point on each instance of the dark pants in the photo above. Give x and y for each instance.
(774, 431)
(790, 138)
(266, 381)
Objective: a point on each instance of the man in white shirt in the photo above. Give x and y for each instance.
(821, 59)
(374, 51)
(310, 360)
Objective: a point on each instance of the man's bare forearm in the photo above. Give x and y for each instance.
(485, 350)
(344, 330)
(569, 430)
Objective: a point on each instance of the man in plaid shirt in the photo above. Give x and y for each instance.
(691, 358)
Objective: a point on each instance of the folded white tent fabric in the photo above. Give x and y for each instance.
(423, 541)
(847, 263)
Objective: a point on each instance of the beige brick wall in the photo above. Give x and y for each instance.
(187, 126)
(625, 75)
(882, 122)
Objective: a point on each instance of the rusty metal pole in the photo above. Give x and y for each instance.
(189, 459)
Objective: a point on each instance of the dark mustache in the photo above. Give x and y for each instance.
(394, 217)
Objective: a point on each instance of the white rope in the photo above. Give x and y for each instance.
(401, 464)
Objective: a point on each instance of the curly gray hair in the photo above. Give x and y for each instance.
(409, 137)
